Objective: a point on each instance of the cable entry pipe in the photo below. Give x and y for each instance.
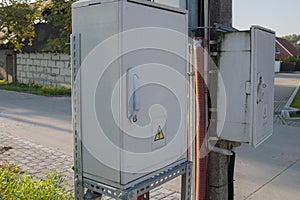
(200, 106)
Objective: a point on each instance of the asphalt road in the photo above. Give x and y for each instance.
(43, 120)
(272, 171)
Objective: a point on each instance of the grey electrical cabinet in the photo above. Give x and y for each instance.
(130, 88)
(246, 86)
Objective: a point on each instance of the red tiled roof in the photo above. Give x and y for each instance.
(288, 46)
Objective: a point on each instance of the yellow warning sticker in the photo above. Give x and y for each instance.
(159, 134)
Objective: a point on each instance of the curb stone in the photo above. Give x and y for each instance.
(287, 110)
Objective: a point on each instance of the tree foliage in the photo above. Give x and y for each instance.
(61, 16)
(18, 17)
(17, 20)
(294, 39)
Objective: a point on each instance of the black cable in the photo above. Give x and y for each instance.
(231, 177)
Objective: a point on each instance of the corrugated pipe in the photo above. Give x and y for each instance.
(200, 163)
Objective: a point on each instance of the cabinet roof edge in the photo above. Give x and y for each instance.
(83, 3)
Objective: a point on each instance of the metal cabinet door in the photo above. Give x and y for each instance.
(263, 57)
(153, 90)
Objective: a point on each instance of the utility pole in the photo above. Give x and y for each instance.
(203, 14)
(220, 166)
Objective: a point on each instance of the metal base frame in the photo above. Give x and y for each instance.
(185, 170)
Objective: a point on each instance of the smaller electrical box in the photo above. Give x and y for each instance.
(245, 109)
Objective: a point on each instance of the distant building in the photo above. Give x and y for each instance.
(285, 49)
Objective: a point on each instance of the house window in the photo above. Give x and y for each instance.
(277, 51)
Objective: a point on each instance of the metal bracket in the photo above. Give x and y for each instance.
(186, 183)
(218, 27)
(76, 63)
(160, 178)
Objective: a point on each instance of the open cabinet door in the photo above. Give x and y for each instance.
(263, 78)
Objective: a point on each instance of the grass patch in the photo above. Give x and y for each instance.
(35, 89)
(296, 101)
(14, 184)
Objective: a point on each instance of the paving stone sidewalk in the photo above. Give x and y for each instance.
(37, 160)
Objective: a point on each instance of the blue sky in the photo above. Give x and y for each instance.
(282, 16)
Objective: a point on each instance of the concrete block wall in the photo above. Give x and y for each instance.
(50, 69)
(2, 64)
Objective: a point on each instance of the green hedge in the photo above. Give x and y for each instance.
(297, 68)
(294, 60)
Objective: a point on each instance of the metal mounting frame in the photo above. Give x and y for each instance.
(76, 63)
(162, 176)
